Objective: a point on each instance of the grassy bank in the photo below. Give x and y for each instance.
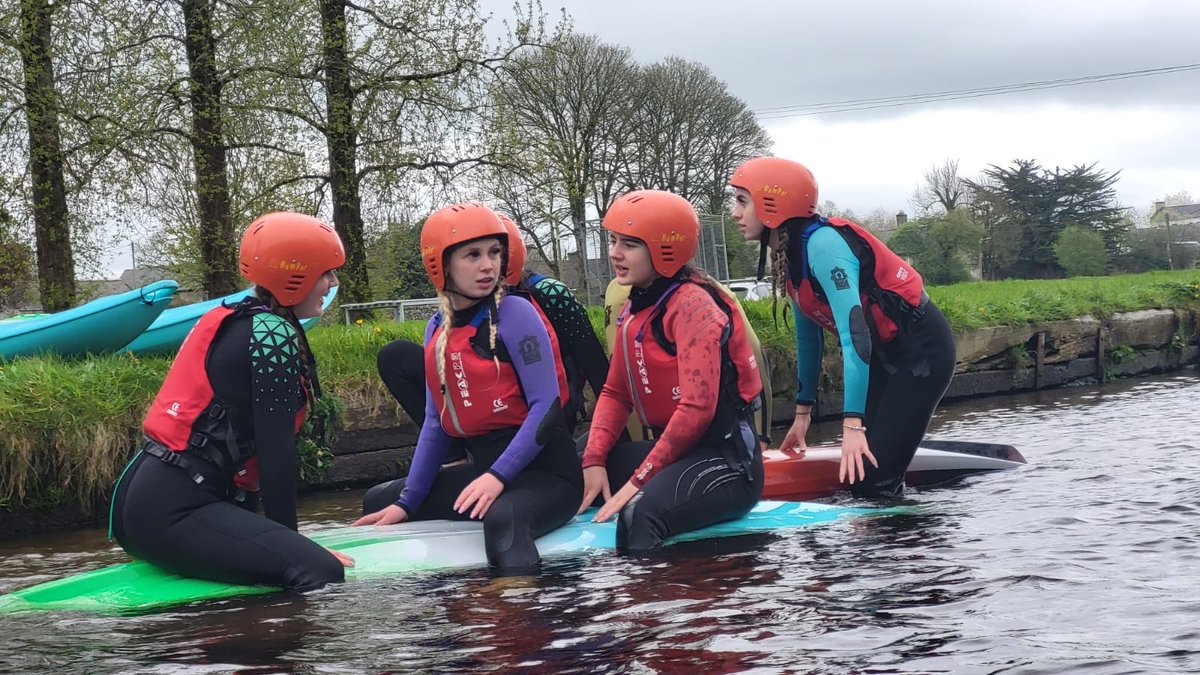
(68, 427)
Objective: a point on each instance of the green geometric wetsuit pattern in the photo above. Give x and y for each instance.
(275, 363)
(562, 309)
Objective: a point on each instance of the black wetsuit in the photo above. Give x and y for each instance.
(162, 516)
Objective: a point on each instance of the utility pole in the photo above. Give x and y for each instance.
(1170, 261)
(132, 255)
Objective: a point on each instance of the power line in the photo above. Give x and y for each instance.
(806, 110)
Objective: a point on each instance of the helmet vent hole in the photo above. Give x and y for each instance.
(294, 282)
(769, 205)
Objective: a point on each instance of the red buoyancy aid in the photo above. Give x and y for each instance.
(187, 414)
(652, 365)
(482, 392)
(883, 277)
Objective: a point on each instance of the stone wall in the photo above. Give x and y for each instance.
(1003, 359)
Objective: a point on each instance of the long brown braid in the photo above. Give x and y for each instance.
(779, 271)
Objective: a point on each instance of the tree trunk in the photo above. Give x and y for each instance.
(55, 259)
(218, 242)
(578, 208)
(342, 140)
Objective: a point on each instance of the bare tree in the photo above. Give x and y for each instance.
(942, 190)
(689, 134)
(555, 109)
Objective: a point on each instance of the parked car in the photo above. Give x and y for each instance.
(749, 289)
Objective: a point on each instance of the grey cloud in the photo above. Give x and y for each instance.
(786, 52)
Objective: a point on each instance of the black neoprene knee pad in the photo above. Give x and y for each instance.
(509, 544)
(637, 529)
(383, 495)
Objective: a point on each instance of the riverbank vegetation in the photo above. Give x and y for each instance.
(68, 427)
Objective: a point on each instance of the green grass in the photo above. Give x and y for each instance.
(68, 427)
(1006, 303)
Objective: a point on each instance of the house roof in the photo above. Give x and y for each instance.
(1182, 211)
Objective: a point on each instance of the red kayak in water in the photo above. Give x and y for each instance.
(816, 473)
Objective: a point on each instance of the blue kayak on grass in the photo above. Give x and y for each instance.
(387, 551)
(166, 334)
(100, 326)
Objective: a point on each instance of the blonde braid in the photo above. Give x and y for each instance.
(439, 349)
(779, 271)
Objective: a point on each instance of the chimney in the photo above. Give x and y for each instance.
(901, 218)
(1159, 206)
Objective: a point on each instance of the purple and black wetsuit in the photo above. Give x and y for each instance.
(536, 460)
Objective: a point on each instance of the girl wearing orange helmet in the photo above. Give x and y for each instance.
(683, 361)
(401, 363)
(898, 352)
(222, 428)
(494, 386)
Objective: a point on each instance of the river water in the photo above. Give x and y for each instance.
(1086, 560)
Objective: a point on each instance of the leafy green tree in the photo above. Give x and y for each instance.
(942, 247)
(1081, 252)
(16, 268)
(742, 255)
(1025, 208)
(1146, 251)
(394, 260)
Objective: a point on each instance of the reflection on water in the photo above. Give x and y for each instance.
(1088, 558)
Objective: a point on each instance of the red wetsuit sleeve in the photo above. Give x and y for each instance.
(611, 414)
(694, 323)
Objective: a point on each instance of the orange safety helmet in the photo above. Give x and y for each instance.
(517, 253)
(664, 221)
(780, 189)
(286, 253)
(453, 225)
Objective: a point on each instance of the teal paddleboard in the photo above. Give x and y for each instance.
(100, 326)
(167, 333)
(381, 552)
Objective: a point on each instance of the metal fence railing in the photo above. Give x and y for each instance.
(400, 310)
(711, 256)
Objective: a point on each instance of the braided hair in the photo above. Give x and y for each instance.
(446, 308)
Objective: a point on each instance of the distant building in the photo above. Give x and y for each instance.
(135, 278)
(1181, 214)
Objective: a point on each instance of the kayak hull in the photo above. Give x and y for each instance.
(381, 552)
(167, 333)
(100, 326)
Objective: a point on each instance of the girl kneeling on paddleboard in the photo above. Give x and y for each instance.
(224, 424)
(684, 362)
(897, 349)
(494, 384)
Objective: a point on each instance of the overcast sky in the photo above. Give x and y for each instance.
(776, 53)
